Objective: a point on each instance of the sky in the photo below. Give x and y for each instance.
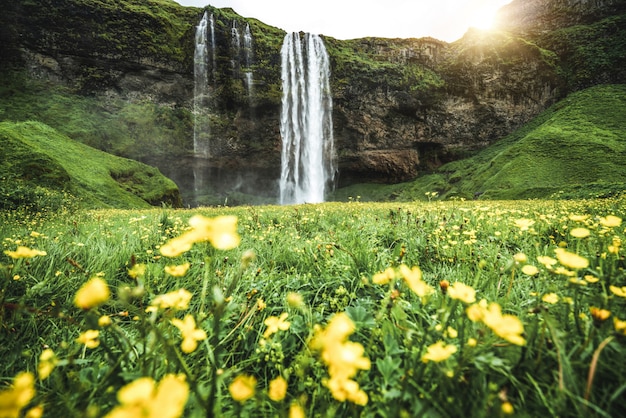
(446, 20)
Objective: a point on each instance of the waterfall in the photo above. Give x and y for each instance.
(307, 157)
(213, 54)
(248, 53)
(201, 132)
(235, 42)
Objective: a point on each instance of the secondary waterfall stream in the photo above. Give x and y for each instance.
(201, 131)
(308, 163)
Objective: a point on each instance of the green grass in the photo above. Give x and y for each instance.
(35, 156)
(572, 363)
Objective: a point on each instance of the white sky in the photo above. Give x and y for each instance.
(446, 20)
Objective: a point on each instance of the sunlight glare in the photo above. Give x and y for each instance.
(483, 18)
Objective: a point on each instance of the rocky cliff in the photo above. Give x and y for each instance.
(401, 106)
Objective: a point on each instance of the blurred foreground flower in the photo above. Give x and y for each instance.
(177, 271)
(89, 338)
(413, 278)
(24, 252)
(178, 299)
(242, 388)
(462, 292)
(507, 327)
(93, 293)
(571, 260)
(274, 324)
(278, 389)
(13, 399)
(47, 363)
(221, 232)
(344, 358)
(144, 398)
(438, 352)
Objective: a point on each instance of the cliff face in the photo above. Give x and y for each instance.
(401, 107)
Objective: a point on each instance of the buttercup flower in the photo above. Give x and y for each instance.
(16, 397)
(384, 277)
(413, 278)
(438, 352)
(47, 363)
(295, 300)
(506, 326)
(620, 326)
(524, 224)
(547, 261)
(178, 300)
(462, 292)
(89, 338)
(571, 260)
(137, 270)
(296, 411)
(277, 389)
(550, 298)
(618, 291)
(93, 293)
(530, 270)
(177, 271)
(144, 398)
(599, 315)
(580, 232)
(520, 258)
(242, 388)
(275, 323)
(191, 334)
(24, 252)
(221, 232)
(610, 221)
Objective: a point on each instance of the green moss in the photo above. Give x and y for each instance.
(39, 156)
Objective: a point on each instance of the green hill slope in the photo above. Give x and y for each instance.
(577, 148)
(39, 167)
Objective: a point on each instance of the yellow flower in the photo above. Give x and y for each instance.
(24, 252)
(296, 411)
(295, 300)
(34, 412)
(550, 298)
(242, 388)
(524, 224)
(452, 333)
(385, 277)
(177, 271)
(221, 232)
(345, 359)
(346, 390)
(15, 398)
(438, 352)
(564, 272)
(413, 278)
(506, 326)
(462, 292)
(530, 270)
(137, 270)
(275, 323)
(618, 291)
(104, 321)
(191, 334)
(571, 260)
(591, 279)
(93, 293)
(179, 300)
(580, 232)
(507, 408)
(89, 338)
(144, 398)
(520, 258)
(546, 261)
(47, 363)
(620, 326)
(476, 312)
(598, 314)
(578, 218)
(260, 304)
(610, 221)
(471, 342)
(278, 389)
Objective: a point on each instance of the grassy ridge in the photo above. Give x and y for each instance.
(37, 157)
(574, 149)
(312, 262)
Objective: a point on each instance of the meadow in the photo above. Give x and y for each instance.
(433, 309)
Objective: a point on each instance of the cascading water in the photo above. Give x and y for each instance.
(235, 42)
(248, 54)
(213, 54)
(201, 132)
(308, 163)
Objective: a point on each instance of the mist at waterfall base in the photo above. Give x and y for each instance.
(209, 176)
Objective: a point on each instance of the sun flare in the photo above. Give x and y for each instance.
(483, 19)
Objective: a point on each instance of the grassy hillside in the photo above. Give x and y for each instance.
(40, 167)
(574, 149)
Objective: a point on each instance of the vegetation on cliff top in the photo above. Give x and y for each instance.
(42, 168)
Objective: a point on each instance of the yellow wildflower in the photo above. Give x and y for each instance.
(24, 252)
(591, 279)
(413, 278)
(610, 221)
(550, 298)
(618, 291)
(620, 326)
(462, 292)
(530, 270)
(221, 232)
(104, 321)
(546, 261)
(242, 388)
(145, 398)
(571, 260)
(34, 412)
(191, 334)
(506, 326)
(385, 277)
(137, 270)
(178, 299)
(564, 272)
(277, 389)
(452, 333)
(295, 300)
(275, 323)
(89, 338)
(15, 398)
(438, 352)
(296, 411)
(471, 342)
(578, 218)
(93, 293)
(347, 390)
(580, 232)
(507, 408)
(260, 304)
(524, 224)
(520, 258)
(47, 363)
(599, 315)
(177, 271)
